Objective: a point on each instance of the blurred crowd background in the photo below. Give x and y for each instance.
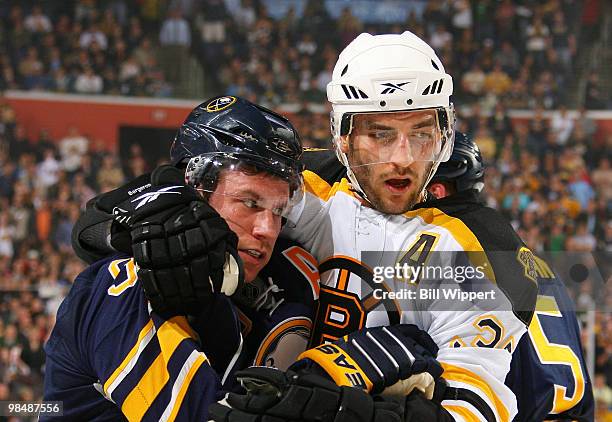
(550, 174)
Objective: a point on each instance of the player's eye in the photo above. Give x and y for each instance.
(278, 211)
(422, 136)
(383, 136)
(250, 203)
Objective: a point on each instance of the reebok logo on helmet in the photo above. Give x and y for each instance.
(391, 87)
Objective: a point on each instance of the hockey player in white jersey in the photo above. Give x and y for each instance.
(392, 124)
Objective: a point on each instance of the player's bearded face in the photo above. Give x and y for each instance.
(249, 203)
(391, 155)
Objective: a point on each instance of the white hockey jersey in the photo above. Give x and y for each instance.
(476, 325)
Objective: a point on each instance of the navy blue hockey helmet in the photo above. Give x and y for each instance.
(228, 127)
(464, 168)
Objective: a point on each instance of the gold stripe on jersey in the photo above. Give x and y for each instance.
(314, 184)
(459, 374)
(460, 232)
(185, 383)
(171, 333)
(150, 384)
(464, 412)
(129, 361)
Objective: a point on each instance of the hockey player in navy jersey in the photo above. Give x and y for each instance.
(110, 355)
(548, 373)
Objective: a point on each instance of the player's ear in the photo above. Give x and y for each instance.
(437, 189)
(344, 146)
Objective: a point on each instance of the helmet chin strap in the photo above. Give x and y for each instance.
(349, 173)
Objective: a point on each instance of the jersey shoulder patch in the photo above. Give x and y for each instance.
(514, 265)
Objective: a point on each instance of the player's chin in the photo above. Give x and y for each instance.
(250, 273)
(252, 266)
(395, 202)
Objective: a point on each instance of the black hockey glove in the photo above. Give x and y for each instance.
(390, 360)
(275, 396)
(184, 250)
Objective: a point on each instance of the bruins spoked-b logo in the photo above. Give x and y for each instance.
(220, 103)
(528, 261)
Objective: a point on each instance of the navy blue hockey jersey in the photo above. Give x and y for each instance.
(548, 373)
(110, 358)
(274, 315)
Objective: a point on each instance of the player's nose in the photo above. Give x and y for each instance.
(266, 225)
(402, 151)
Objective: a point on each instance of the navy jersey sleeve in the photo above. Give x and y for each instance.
(122, 359)
(548, 373)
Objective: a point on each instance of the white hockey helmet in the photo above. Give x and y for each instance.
(390, 73)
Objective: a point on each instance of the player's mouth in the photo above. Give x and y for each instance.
(398, 185)
(254, 256)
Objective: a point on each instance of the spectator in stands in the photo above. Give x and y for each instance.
(244, 15)
(88, 82)
(602, 179)
(110, 174)
(594, 98)
(175, 40)
(561, 125)
(37, 21)
(93, 35)
(508, 58)
(175, 30)
(64, 228)
(580, 189)
(18, 143)
(72, 148)
(461, 19)
(349, 26)
(129, 69)
(31, 70)
(7, 234)
(537, 35)
(472, 82)
(497, 81)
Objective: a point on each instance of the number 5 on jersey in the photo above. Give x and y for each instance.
(126, 271)
(556, 354)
